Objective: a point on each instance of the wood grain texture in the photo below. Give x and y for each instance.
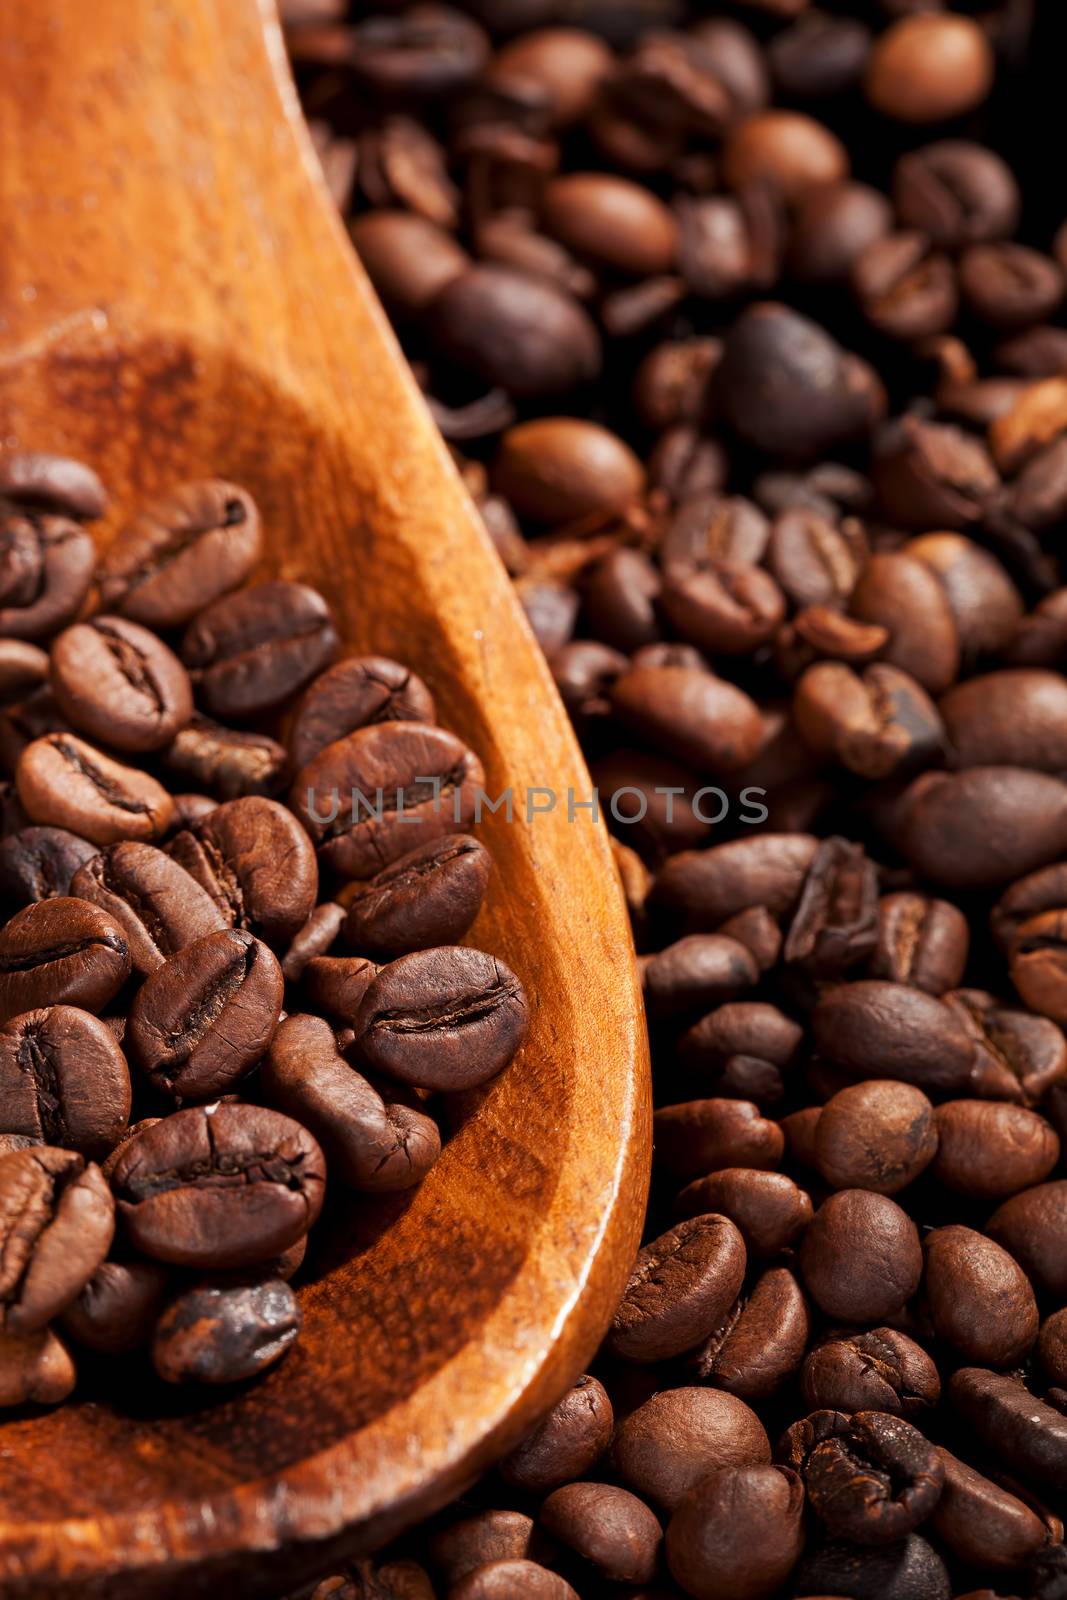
(177, 297)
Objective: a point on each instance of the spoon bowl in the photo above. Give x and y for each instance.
(177, 299)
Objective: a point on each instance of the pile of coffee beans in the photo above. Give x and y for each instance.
(210, 996)
(746, 325)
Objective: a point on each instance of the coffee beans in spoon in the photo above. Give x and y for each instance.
(211, 1001)
(745, 324)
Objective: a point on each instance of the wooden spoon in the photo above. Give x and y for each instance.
(179, 299)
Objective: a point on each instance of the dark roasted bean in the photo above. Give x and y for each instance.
(710, 1548)
(761, 1341)
(860, 1256)
(256, 862)
(212, 1335)
(376, 794)
(351, 694)
(118, 683)
(229, 762)
(64, 782)
(446, 1018)
(181, 553)
(46, 567)
(368, 1143)
(880, 1370)
(228, 1186)
(118, 1308)
(566, 1444)
(681, 1286)
(57, 1220)
(249, 652)
(61, 951)
(979, 1299)
(1024, 1433)
(207, 1015)
(159, 907)
(870, 1478)
(55, 484)
(38, 863)
(679, 1436)
(429, 897)
(64, 1080)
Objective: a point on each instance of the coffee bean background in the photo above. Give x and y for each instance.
(745, 325)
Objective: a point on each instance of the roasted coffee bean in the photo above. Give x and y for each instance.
(656, 800)
(704, 1136)
(408, 258)
(429, 897)
(23, 668)
(249, 652)
(61, 951)
(516, 331)
(710, 885)
(608, 1527)
(985, 827)
(156, 903)
(181, 553)
(1024, 1433)
(906, 289)
(816, 562)
(337, 984)
(989, 1150)
(833, 225)
(878, 1135)
(583, 672)
(46, 567)
(376, 794)
(203, 1018)
(1052, 1347)
(314, 939)
(984, 601)
(983, 1524)
(860, 1256)
(1038, 964)
(879, 723)
(679, 1436)
(1031, 1225)
(35, 1369)
(611, 222)
(928, 68)
(741, 1027)
(710, 1546)
(566, 1444)
(835, 924)
(908, 1570)
(37, 715)
(351, 694)
(701, 970)
(903, 595)
(427, 51)
(446, 1018)
(932, 475)
(1010, 286)
(726, 607)
(214, 1335)
(768, 1208)
(957, 192)
(55, 484)
(228, 1186)
(1018, 1056)
(57, 1220)
(1011, 719)
(118, 683)
(760, 1342)
(551, 609)
(785, 385)
(368, 1143)
(710, 528)
(39, 863)
(870, 1478)
(681, 1286)
(64, 1080)
(474, 1541)
(921, 941)
(256, 862)
(64, 782)
(118, 1308)
(502, 1580)
(979, 1299)
(620, 592)
(895, 1031)
(559, 469)
(785, 149)
(880, 1370)
(228, 762)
